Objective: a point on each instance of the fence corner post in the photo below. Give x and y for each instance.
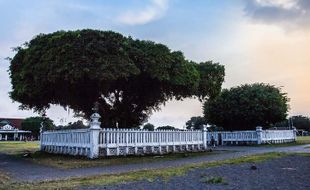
(295, 133)
(94, 135)
(41, 137)
(259, 131)
(204, 138)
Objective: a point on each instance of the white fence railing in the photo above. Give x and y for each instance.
(237, 137)
(74, 142)
(278, 136)
(95, 142)
(128, 141)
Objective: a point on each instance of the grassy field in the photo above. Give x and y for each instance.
(303, 140)
(67, 161)
(149, 175)
(18, 147)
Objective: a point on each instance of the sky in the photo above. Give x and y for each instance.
(257, 41)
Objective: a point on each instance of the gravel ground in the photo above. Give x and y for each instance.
(286, 173)
(23, 170)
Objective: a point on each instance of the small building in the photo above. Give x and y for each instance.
(10, 130)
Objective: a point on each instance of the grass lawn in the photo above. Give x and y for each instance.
(149, 175)
(303, 140)
(67, 161)
(18, 147)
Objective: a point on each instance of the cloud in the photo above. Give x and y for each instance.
(154, 11)
(290, 14)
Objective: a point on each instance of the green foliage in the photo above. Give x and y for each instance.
(167, 127)
(299, 121)
(247, 106)
(33, 124)
(75, 125)
(149, 127)
(196, 123)
(129, 78)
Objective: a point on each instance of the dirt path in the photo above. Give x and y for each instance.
(22, 170)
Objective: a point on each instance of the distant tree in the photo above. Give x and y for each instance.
(130, 78)
(247, 106)
(196, 123)
(75, 125)
(33, 124)
(299, 121)
(167, 127)
(149, 127)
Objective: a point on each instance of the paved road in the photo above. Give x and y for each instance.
(23, 170)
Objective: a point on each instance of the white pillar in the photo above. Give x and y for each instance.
(94, 135)
(205, 140)
(6, 137)
(15, 136)
(41, 138)
(295, 133)
(259, 131)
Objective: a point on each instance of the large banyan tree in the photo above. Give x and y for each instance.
(129, 78)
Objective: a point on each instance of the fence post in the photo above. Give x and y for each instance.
(204, 138)
(259, 131)
(94, 135)
(41, 138)
(295, 133)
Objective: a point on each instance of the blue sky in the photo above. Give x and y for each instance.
(256, 40)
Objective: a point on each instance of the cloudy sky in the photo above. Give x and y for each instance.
(257, 41)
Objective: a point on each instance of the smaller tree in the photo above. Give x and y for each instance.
(33, 124)
(299, 121)
(149, 127)
(167, 127)
(247, 106)
(196, 123)
(75, 125)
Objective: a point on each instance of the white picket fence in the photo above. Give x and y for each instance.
(74, 142)
(95, 142)
(278, 136)
(252, 137)
(127, 141)
(115, 142)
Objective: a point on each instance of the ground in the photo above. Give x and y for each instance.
(199, 171)
(292, 172)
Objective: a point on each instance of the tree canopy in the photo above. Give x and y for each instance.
(247, 106)
(167, 127)
(75, 125)
(298, 121)
(196, 123)
(149, 127)
(130, 78)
